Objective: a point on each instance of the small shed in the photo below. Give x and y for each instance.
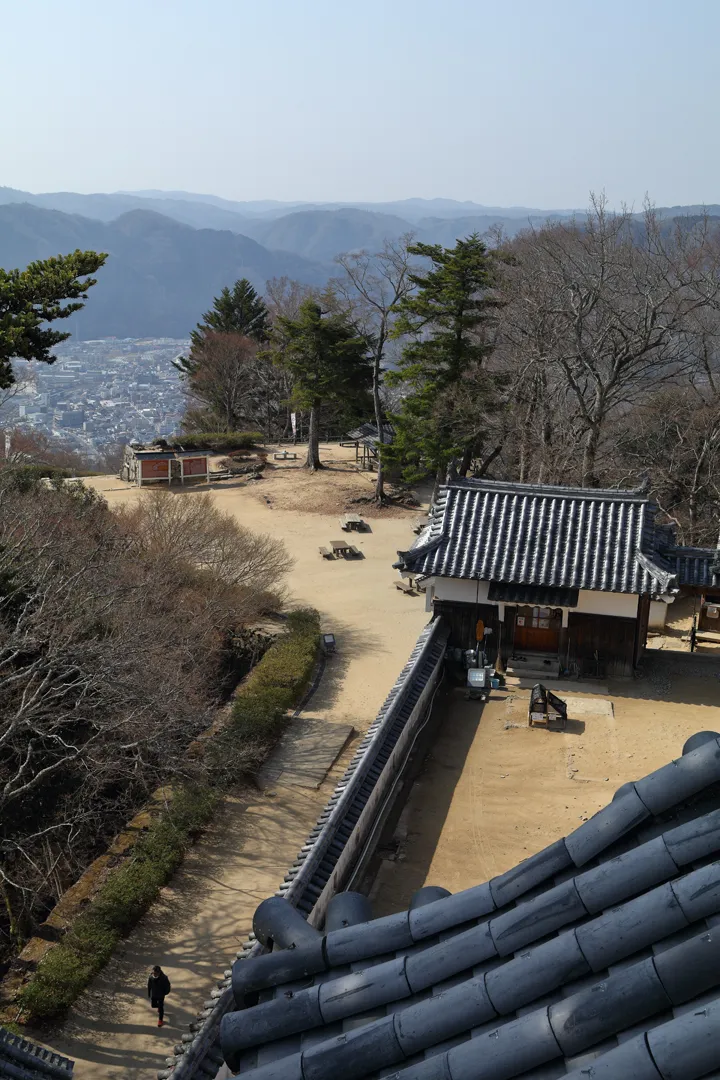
(162, 464)
(366, 441)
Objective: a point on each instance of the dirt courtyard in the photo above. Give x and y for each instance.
(492, 791)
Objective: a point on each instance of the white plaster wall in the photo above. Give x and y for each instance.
(658, 614)
(462, 592)
(622, 605)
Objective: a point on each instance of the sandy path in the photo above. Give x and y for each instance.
(206, 913)
(491, 791)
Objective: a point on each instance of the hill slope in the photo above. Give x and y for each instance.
(160, 276)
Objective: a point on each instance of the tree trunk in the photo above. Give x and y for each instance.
(466, 460)
(439, 478)
(380, 481)
(312, 460)
(592, 439)
(525, 438)
(20, 924)
(487, 461)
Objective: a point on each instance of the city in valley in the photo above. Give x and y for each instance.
(99, 394)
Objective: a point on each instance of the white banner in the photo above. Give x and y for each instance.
(293, 421)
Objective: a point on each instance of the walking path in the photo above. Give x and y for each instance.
(205, 914)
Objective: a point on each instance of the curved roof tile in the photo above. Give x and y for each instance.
(535, 534)
(567, 960)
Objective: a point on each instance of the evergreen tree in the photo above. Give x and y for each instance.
(329, 364)
(240, 310)
(446, 319)
(36, 295)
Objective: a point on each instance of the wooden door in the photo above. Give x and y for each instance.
(537, 630)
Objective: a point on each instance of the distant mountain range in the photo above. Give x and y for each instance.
(161, 274)
(172, 251)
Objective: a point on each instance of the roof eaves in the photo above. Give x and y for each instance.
(661, 581)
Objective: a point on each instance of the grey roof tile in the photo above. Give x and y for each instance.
(694, 566)
(21, 1059)
(633, 912)
(543, 535)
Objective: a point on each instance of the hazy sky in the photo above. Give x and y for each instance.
(505, 102)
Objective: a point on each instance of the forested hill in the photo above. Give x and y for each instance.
(160, 276)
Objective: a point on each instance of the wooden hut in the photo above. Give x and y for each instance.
(158, 464)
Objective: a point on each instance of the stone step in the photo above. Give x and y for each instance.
(561, 687)
(532, 666)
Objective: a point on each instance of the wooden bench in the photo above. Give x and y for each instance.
(355, 552)
(326, 554)
(352, 521)
(404, 586)
(284, 455)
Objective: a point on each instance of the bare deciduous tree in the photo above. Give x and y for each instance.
(113, 629)
(369, 292)
(220, 379)
(607, 303)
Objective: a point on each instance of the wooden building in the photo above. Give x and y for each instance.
(157, 464)
(698, 572)
(565, 574)
(366, 441)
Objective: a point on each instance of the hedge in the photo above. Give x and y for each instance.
(24, 477)
(259, 713)
(126, 895)
(221, 441)
(276, 684)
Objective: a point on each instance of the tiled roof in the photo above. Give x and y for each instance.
(337, 836)
(541, 535)
(368, 434)
(534, 595)
(694, 566)
(23, 1060)
(597, 957)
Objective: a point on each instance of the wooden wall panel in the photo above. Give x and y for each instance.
(612, 639)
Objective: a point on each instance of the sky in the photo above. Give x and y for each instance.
(504, 102)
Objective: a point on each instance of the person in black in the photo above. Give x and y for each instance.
(158, 989)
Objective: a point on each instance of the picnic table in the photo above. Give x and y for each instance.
(340, 547)
(351, 521)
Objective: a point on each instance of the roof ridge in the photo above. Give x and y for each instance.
(559, 490)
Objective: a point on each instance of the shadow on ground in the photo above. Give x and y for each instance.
(351, 644)
(441, 759)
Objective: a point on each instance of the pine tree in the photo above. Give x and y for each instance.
(37, 295)
(446, 319)
(329, 364)
(240, 310)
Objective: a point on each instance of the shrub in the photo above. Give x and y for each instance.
(23, 477)
(259, 714)
(275, 685)
(126, 895)
(221, 441)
